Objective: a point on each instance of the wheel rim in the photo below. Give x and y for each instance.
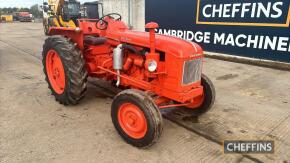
(132, 120)
(55, 71)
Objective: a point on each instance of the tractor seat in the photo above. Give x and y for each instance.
(92, 40)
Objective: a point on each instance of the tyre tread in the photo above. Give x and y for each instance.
(74, 66)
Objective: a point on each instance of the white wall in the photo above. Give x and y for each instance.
(121, 7)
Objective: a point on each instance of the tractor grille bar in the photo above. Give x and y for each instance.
(192, 71)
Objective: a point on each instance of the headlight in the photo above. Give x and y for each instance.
(77, 29)
(152, 65)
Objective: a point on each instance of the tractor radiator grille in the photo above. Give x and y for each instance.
(192, 71)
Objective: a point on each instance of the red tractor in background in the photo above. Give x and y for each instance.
(25, 17)
(155, 71)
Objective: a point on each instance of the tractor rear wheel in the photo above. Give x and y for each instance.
(136, 118)
(205, 102)
(64, 69)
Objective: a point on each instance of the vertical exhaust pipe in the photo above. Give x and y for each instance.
(118, 62)
(151, 27)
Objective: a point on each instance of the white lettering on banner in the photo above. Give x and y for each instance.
(227, 10)
(230, 40)
(235, 9)
(253, 10)
(242, 10)
(219, 38)
(261, 42)
(270, 43)
(252, 41)
(282, 44)
(274, 43)
(217, 10)
(204, 11)
(241, 44)
(277, 10)
(245, 9)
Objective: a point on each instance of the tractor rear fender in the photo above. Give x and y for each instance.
(75, 34)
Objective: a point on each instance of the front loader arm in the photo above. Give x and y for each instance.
(56, 5)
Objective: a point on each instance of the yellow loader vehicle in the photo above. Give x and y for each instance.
(60, 13)
(6, 18)
(64, 13)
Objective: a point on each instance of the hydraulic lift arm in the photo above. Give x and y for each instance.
(55, 5)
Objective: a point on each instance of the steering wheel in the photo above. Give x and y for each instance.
(102, 24)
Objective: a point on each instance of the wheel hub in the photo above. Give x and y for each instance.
(132, 120)
(55, 71)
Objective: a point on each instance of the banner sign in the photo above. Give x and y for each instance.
(249, 28)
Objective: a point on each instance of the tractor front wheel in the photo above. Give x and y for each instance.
(136, 118)
(205, 102)
(64, 69)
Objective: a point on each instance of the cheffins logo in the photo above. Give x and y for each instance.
(249, 146)
(243, 13)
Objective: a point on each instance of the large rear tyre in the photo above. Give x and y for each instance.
(136, 118)
(204, 103)
(64, 69)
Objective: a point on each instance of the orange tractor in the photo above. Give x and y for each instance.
(155, 72)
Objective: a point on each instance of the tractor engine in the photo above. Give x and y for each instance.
(126, 59)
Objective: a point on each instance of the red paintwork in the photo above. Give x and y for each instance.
(166, 82)
(23, 14)
(55, 71)
(132, 120)
(151, 27)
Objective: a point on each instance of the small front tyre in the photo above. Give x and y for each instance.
(136, 118)
(203, 103)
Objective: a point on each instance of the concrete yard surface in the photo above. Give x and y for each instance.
(253, 103)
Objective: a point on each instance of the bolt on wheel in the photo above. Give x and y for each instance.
(64, 69)
(55, 71)
(132, 120)
(136, 118)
